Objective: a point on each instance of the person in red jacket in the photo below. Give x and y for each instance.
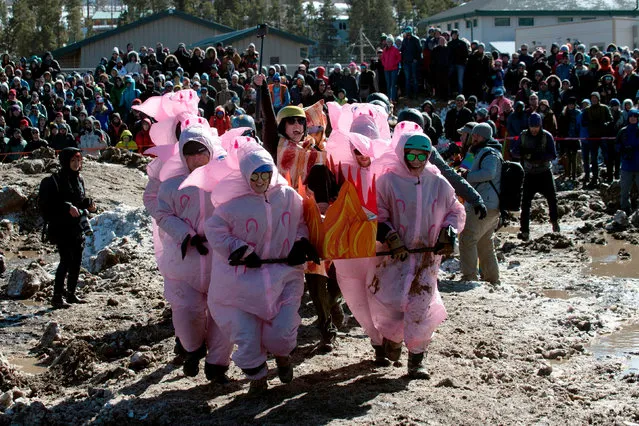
(220, 120)
(143, 138)
(391, 57)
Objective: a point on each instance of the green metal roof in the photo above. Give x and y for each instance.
(160, 15)
(229, 38)
(474, 8)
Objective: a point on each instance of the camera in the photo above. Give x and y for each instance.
(85, 225)
(262, 30)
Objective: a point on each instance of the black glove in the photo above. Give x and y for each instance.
(446, 241)
(237, 255)
(198, 243)
(253, 261)
(480, 210)
(302, 252)
(185, 245)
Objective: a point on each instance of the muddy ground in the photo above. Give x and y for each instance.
(557, 342)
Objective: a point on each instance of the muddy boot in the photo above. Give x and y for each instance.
(284, 368)
(523, 235)
(216, 373)
(258, 387)
(416, 368)
(192, 361)
(392, 350)
(72, 298)
(380, 357)
(337, 316)
(556, 227)
(58, 302)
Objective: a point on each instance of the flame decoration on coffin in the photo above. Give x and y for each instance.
(349, 227)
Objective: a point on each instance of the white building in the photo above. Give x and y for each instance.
(500, 20)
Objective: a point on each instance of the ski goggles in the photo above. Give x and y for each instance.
(420, 157)
(265, 176)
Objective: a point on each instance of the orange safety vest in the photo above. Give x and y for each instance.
(283, 90)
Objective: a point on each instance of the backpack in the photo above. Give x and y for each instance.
(512, 182)
(47, 186)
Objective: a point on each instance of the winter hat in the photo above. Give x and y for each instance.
(614, 102)
(24, 122)
(276, 77)
(468, 128)
(483, 129)
(596, 94)
(534, 120)
(633, 112)
(586, 101)
(499, 92)
(116, 51)
(482, 112)
(408, 30)
(193, 148)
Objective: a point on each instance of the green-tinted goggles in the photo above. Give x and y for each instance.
(265, 176)
(420, 157)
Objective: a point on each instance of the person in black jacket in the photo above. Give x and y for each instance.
(65, 201)
(456, 118)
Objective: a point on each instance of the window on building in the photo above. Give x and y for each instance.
(449, 26)
(589, 18)
(468, 24)
(526, 22)
(457, 25)
(564, 19)
(475, 23)
(502, 22)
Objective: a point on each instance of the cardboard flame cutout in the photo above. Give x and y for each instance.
(349, 228)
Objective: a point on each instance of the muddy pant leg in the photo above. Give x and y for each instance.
(389, 321)
(627, 178)
(585, 156)
(218, 344)
(529, 191)
(244, 330)
(594, 159)
(424, 313)
(486, 247)
(317, 289)
(547, 189)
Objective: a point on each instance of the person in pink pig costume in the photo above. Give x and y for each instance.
(417, 208)
(171, 112)
(257, 216)
(185, 259)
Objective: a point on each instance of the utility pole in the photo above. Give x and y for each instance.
(361, 44)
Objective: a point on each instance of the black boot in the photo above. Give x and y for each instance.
(216, 373)
(284, 368)
(392, 350)
(380, 356)
(416, 369)
(58, 302)
(192, 361)
(258, 387)
(72, 298)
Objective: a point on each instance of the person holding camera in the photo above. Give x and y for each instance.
(64, 200)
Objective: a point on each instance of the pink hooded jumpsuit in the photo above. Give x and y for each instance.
(404, 301)
(257, 308)
(182, 212)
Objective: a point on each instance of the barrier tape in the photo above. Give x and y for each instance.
(3, 155)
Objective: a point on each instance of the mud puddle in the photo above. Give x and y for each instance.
(615, 259)
(553, 293)
(620, 344)
(28, 365)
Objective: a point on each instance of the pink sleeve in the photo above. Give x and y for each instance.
(150, 197)
(166, 218)
(218, 233)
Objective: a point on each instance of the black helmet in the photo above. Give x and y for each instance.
(411, 114)
(380, 103)
(379, 97)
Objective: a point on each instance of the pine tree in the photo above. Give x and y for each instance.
(74, 19)
(48, 22)
(21, 31)
(404, 10)
(294, 17)
(274, 14)
(327, 31)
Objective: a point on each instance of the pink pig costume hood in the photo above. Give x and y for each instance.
(182, 212)
(256, 307)
(404, 301)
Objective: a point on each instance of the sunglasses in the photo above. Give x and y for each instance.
(293, 120)
(265, 176)
(420, 157)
